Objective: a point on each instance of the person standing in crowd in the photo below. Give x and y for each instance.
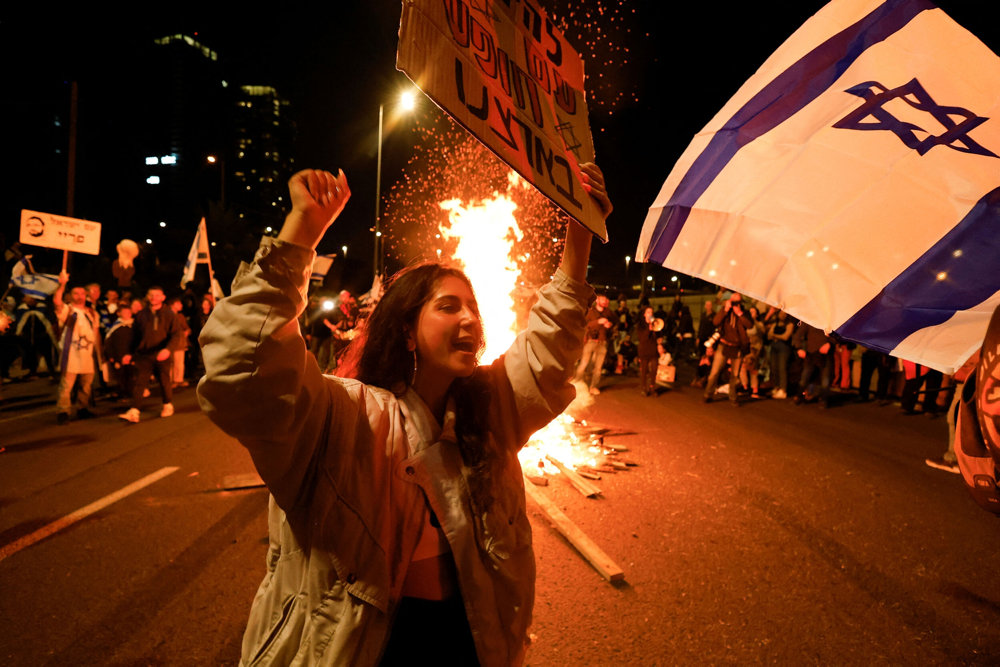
(177, 371)
(321, 338)
(645, 336)
(108, 310)
(872, 362)
(623, 320)
(205, 308)
(815, 348)
(948, 461)
(918, 376)
(81, 350)
(684, 335)
(706, 325)
(627, 353)
(34, 328)
(595, 346)
(750, 366)
(156, 333)
(779, 332)
(732, 322)
(343, 325)
(117, 345)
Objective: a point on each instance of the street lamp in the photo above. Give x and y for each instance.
(406, 103)
(211, 159)
(343, 249)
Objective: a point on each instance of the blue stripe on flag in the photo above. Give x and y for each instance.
(949, 277)
(778, 101)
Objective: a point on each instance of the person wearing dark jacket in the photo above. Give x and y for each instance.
(814, 348)
(118, 345)
(732, 322)
(645, 336)
(156, 333)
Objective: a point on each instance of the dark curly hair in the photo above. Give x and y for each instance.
(379, 356)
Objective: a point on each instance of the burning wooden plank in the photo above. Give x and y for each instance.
(582, 485)
(583, 544)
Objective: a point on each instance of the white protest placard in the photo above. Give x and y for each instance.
(503, 70)
(58, 231)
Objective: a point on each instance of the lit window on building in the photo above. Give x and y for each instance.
(153, 180)
(152, 160)
(168, 159)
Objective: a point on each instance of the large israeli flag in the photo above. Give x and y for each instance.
(853, 181)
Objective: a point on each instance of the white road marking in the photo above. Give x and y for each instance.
(84, 512)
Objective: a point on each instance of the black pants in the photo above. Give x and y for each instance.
(647, 373)
(911, 391)
(430, 632)
(873, 361)
(144, 367)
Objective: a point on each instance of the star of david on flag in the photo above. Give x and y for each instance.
(38, 285)
(853, 181)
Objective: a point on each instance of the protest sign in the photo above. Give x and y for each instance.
(503, 70)
(57, 231)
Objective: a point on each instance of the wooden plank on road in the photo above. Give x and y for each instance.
(593, 553)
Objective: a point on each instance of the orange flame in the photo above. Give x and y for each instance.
(484, 233)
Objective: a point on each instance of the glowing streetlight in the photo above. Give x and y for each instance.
(406, 103)
(343, 249)
(212, 159)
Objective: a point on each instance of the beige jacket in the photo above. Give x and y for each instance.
(348, 466)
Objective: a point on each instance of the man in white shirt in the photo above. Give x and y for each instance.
(80, 349)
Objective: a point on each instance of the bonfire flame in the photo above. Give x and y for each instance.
(483, 234)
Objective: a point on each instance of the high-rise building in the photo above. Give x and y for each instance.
(261, 159)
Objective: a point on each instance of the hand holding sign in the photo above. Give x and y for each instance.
(593, 183)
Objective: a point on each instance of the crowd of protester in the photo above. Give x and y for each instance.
(737, 349)
(102, 342)
(746, 351)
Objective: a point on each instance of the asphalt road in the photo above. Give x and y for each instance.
(769, 534)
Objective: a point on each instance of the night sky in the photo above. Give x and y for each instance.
(656, 75)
